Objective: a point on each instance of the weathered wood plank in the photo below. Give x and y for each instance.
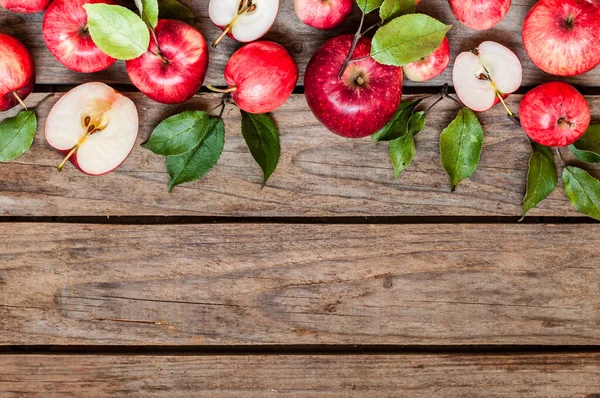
(320, 174)
(302, 41)
(231, 284)
(548, 375)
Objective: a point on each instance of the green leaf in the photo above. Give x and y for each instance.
(368, 5)
(541, 178)
(401, 151)
(172, 9)
(391, 9)
(117, 31)
(407, 38)
(398, 126)
(583, 191)
(416, 124)
(16, 135)
(178, 134)
(148, 11)
(198, 162)
(587, 148)
(460, 146)
(262, 138)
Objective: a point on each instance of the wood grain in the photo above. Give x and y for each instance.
(547, 375)
(320, 174)
(256, 284)
(301, 40)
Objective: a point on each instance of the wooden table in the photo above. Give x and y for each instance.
(334, 280)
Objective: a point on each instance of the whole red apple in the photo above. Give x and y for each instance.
(562, 37)
(480, 14)
(66, 36)
(360, 103)
(323, 14)
(25, 6)
(261, 76)
(173, 71)
(17, 72)
(431, 66)
(554, 114)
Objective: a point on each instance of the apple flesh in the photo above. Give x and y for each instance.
(554, 114)
(485, 75)
(431, 66)
(173, 71)
(243, 20)
(479, 14)
(17, 72)
(562, 37)
(65, 32)
(25, 6)
(323, 14)
(94, 126)
(261, 76)
(360, 103)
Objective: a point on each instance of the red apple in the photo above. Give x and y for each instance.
(360, 103)
(323, 14)
(66, 35)
(243, 20)
(94, 126)
(483, 75)
(174, 71)
(562, 37)
(261, 76)
(479, 14)
(17, 72)
(431, 66)
(554, 114)
(25, 6)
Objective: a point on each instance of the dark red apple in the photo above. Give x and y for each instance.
(25, 6)
(366, 97)
(480, 14)
(173, 71)
(17, 72)
(261, 76)
(554, 114)
(562, 37)
(323, 14)
(66, 36)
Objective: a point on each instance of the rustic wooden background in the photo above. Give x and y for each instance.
(334, 280)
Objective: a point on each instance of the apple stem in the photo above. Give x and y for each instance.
(221, 90)
(510, 113)
(62, 164)
(357, 37)
(245, 6)
(14, 93)
(223, 34)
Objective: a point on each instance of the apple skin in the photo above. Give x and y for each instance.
(25, 6)
(263, 74)
(560, 47)
(63, 33)
(323, 14)
(479, 14)
(17, 72)
(347, 106)
(554, 114)
(431, 66)
(181, 76)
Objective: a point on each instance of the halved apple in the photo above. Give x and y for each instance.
(94, 126)
(486, 75)
(243, 20)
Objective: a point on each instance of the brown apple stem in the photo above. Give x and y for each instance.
(223, 34)
(14, 93)
(221, 90)
(357, 37)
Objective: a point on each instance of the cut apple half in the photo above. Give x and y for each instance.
(94, 126)
(244, 20)
(486, 75)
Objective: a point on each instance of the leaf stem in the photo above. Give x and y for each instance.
(14, 93)
(562, 161)
(357, 37)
